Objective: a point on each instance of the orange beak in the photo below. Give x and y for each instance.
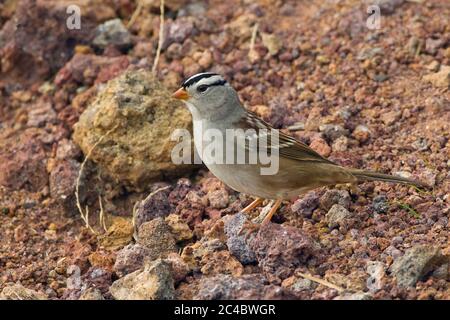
(180, 94)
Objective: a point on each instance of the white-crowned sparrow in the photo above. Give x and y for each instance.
(214, 104)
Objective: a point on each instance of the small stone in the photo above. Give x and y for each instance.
(280, 249)
(361, 133)
(306, 204)
(432, 45)
(19, 292)
(380, 204)
(155, 205)
(376, 272)
(416, 263)
(118, 235)
(130, 258)
(67, 150)
(321, 59)
(272, 43)
(340, 144)
(337, 215)
(112, 32)
(62, 182)
(297, 285)
(23, 161)
(206, 59)
(355, 296)
(177, 31)
(180, 269)
(380, 77)
(403, 174)
(192, 255)
(433, 66)
(179, 228)
(420, 144)
(218, 199)
(247, 287)
(439, 79)
(154, 282)
(333, 131)
(156, 236)
(91, 294)
(315, 115)
(391, 117)
(221, 262)
(320, 146)
(335, 196)
(237, 243)
(428, 177)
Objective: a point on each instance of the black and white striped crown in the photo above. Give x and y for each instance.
(207, 78)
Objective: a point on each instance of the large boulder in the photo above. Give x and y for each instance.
(143, 116)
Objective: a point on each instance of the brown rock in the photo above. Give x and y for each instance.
(91, 294)
(131, 258)
(335, 196)
(179, 268)
(361, 133)
(391, 117)
(193, 255)
(19, 292)
(439, 79)
(119, 234)
(280, 249)
(90, 68)
(337, 215)
(155, 235)
(320, 146)
(140, 116)
(179, 228)
(23, 161)
(156, 204)
(221, 262)
(218, 199)
(63, 179)
(246, 287)
(154, 282)
(314, 118)
(416, 263)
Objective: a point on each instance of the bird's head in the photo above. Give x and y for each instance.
(208, 95)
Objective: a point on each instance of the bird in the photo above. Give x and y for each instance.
(215, 105)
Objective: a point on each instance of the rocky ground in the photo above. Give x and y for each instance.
(376, 99)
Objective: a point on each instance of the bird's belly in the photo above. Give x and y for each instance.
(248, 179)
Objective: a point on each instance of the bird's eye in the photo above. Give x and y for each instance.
(202, 88)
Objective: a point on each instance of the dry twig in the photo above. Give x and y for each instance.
(252, 54)
(320, 281)
(161, 37)
(85, 215)
(135, 14)
(145, 200)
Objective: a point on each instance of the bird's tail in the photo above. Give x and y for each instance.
(363, 175)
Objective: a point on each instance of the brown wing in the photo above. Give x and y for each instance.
(288, 146)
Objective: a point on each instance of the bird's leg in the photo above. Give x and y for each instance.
(252, 205)
(252, 227)
(272, 211)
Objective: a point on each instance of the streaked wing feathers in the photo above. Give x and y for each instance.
(288, 146)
